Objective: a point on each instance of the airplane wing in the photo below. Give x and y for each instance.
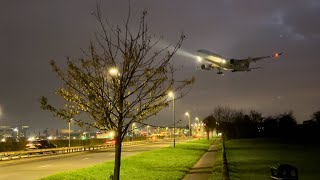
(275, 55)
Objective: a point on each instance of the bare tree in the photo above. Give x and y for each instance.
(224, 117)
(223, 114)
(255, 116)
(122, 79)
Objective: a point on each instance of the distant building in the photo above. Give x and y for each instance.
(13, 132)
(6, 131)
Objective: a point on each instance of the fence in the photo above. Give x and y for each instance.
(10, 155)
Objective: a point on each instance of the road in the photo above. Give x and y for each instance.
(35, 168)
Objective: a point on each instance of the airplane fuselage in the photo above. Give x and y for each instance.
(220, 62)
(213, 60)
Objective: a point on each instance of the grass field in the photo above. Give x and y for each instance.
(165, 163)
(252, 158)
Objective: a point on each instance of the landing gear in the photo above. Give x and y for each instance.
(219, 71)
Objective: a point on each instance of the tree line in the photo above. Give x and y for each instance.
(233, 124)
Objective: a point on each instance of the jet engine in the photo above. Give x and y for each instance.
(204, 67)
(232, 61)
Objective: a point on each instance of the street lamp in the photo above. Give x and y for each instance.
(69, 123)
(113, 71)
(132, 129)
(187, 114)
(170, 94)
(197, 124)
(16, 130)
(148, 132)
(197, 119)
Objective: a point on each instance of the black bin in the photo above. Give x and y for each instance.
(284, 172)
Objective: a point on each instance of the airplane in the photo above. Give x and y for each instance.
(234, 65)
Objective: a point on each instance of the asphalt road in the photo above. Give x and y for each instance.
(35, 168)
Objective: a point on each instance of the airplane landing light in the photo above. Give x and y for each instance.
(199, 58)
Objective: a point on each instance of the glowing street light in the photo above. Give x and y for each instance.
(187, 114)
(171, 94)
(197, 119)
(114, 71)
(148, 132)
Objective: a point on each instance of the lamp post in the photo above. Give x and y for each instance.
(17, 130)
(174, 119)
(132, 129)
(187, 114)
(69, 124)
(197, 125)
(197, 119)
(148, 132)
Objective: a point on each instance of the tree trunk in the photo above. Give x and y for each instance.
(117, 157)
(208, 131)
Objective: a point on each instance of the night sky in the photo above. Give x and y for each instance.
(34, 32)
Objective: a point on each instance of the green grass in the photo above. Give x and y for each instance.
(252, 158)
(165, 163)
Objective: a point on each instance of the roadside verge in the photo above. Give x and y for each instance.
(165, 163)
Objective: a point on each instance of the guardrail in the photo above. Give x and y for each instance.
(4, 156)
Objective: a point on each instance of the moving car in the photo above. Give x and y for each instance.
(40, 144)
(111, 141)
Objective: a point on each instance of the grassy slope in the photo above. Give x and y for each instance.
(166, 163)
(252, 158)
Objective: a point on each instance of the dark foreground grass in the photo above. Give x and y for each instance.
(165, 163)
(252, 158)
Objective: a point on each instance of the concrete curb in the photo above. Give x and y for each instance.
(225, 169)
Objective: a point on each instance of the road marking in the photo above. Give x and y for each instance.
(45, 166)
(85, 158)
